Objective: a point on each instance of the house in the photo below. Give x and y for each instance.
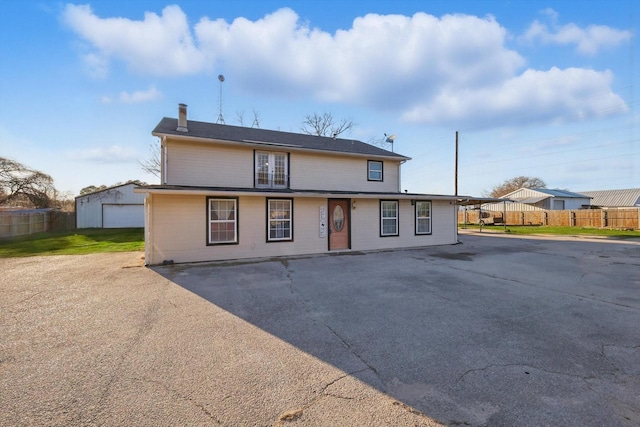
(230, 192)
(114, 207)
(629, 198)
(528, 199)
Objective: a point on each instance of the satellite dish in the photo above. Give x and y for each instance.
(390, 138)
(221, 78)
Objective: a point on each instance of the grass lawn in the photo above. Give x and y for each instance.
(76, 242)
(560, 231)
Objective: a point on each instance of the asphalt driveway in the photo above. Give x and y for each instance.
(494, 331)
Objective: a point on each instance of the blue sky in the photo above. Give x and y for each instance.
(538, 88)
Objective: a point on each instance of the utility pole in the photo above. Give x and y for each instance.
(456, 172)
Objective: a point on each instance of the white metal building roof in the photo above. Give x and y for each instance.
(615, 198)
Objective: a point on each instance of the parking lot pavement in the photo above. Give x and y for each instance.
(493, 331)
(102, 340)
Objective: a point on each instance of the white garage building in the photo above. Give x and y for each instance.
(113, 207)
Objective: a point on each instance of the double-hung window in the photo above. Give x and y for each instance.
(423, 217)
(374, 169)
(388, 218)
(280, 220)
(222, 216)
(272, 170)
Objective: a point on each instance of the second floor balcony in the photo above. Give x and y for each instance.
(271, 180)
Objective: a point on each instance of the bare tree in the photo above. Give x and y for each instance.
(240, 117)
(513, 184)
(256, 121)
(20, 185)
(325, 125)
(152, 163)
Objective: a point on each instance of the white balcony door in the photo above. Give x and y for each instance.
(271, 170)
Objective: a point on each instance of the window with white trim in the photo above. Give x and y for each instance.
(423, 217)
(272, 170)
(374, 168)
(222, 220)
(280, 220)
(388, 217)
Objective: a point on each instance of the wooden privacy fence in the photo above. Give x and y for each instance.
(25, 222)
(590, 218)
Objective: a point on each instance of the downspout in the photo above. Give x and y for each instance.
(455, 221)
(148, 227)
(164, 154)
(400, 175)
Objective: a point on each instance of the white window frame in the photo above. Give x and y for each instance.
(423, 219)
(387, 218)
(276, 223)
(369, 170)
(272, 158)
(210, 221)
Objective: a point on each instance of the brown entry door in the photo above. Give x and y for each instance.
(338, 224)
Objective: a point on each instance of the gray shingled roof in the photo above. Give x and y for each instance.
(168, 126)
(615, 198)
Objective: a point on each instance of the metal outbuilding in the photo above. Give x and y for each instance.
(627, 198)
(113, 207)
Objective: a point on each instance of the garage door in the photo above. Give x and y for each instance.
(121, 216)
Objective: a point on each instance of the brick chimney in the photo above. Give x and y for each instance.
(182, 118)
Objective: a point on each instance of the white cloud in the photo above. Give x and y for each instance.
(160, 45)
(150, 94)
(588, 41)
(534, 96)
(112, 154)
(452, 69)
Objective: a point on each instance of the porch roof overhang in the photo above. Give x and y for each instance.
(468, 201)
(226, 191)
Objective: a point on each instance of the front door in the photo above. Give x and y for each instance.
(338, 224)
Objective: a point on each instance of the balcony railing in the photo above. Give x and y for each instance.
(271, 180)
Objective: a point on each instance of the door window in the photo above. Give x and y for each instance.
(338, 218)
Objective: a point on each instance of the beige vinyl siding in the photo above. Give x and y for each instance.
(180, 230)
(209, 165)
(179, 227)
(312, 171)
(365, 221)
(215, 165)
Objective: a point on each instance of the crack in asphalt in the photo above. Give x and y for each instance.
(323, 392)
(315, 399)
(355, 353)
(603, 352)
(150, 318)
(176, 393)
(520, 282)
(524, 365)
(344, 342)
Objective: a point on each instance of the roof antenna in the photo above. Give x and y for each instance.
(390, 140)
(220, 118)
